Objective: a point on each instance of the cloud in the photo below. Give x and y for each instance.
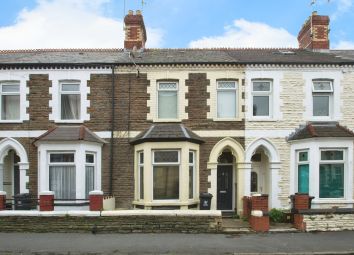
(245, 33)
(343, 6)
(344, 45)
(68, 24)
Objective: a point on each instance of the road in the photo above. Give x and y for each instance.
(300, 243)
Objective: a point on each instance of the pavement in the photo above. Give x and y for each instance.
(271, 243)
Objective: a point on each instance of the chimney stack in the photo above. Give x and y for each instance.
(135, 33)
(314, 34)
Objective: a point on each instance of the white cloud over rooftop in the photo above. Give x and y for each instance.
(244, 33)
(68, 24)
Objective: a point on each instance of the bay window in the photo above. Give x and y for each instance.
(167, 100)
(10, 101)
(303, 172)
(322, 97)
(89, 173)
(192, 174)
(166, 166)
(226, 99)
(70, 101)
(332, 174)
(261, 97)
(62, 175)
(141, 174)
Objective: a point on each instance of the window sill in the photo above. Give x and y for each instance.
(322, 119)
(227, 119)
(265, 119)
(69, 121)
(166, 203)
(11, 121)
(167, 120)
(333, 201)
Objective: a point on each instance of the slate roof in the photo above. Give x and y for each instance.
(167, 133)
(63, 57)
(70, 133)
(321, 129)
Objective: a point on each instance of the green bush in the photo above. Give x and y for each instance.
(276, 215)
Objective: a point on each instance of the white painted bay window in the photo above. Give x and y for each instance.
(227, 99)
(262, 98)
(303, 170)
(167, 100)
(90, 173)
(192, 174)
(141, 174)
(62, 175)
(332, 171)
(166, 165)
(322, 98)
(10, 101)
(70, 101)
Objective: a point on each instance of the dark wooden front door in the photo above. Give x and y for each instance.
(224, 187)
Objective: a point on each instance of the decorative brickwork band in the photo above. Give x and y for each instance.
(2, 200)
(96, 200)
(46, 201)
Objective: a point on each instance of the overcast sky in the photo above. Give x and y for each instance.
(28, 24)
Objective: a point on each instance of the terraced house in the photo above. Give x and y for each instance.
(155, 127)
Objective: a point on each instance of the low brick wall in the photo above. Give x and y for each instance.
(112, 221)
(328, 222)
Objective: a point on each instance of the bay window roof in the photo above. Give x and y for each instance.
(167, 133)
(70, 133)
(321, 129)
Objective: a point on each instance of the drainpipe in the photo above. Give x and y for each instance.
(112, 134)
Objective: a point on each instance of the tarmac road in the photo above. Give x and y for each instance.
(284, 243)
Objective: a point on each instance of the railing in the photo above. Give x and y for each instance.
(19, 203)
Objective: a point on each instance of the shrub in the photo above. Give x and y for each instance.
(276, 215)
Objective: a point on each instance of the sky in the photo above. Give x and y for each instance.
(39, 24)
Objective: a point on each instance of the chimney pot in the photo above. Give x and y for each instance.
(130, 12)
(138, 12)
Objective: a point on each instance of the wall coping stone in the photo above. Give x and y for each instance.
(170, 213)
(333, 210)
(46, 193)
(96, 192)
(2, 193)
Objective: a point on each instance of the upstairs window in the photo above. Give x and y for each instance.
(261, 95)
(70, 101)
(10, 101)
(322, 94)
(167, 100)
(226, 99)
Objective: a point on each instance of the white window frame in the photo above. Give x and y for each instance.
(94, 167)
(11, 94)
(178, 163)
(193, 164)
(329, 93)
(299, 163)
(236, 91)
(140, 165)
(314, 147)
(158, 103)
(344, 161)
(262, 93)
(61, 92)
(74, 163)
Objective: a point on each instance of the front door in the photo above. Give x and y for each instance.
(224, 187)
